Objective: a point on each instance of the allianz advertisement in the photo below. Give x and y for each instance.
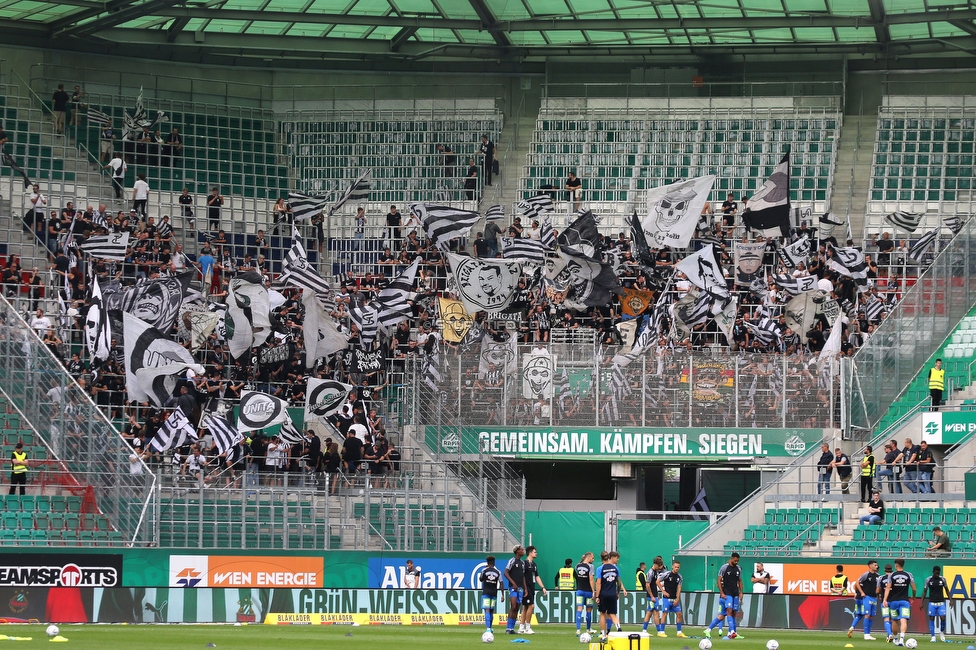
(389, 573)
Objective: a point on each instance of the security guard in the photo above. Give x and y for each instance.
(640, 580)
(936, 384)
(838, 583)
(18, 469)
(566, 577)
(868, 469)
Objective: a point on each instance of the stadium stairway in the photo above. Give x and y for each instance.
(854, 156)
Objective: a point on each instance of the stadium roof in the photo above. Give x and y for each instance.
(501, 30)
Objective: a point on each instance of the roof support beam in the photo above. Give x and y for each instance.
(122, 15)
(881, 32)
(401, 37)
(174, 29)
(966, 26)
(488, 18)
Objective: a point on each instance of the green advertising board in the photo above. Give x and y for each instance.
(621, 443)
(947, 427)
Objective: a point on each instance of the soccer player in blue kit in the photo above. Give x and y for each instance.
(897, 600)
(938, 590)
(515, 574)
(608, 589)
(729, 589)
(669, 588)
(867, 589)
(584, 592)
(491, 580)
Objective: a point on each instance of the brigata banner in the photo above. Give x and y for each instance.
(621, 443)
(947, 428)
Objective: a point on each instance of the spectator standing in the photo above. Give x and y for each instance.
(186, 205)
(59, 105)
(448, 160)
(118, 167)
(487, 158)
(936, 384)
(214, 203)
(842, 464)
(77, 103)
(574, 189)
(876, 510)
(729, 208)
(868, 468)
(106, 143)
(909, 456)
(174, 143)
(393, 221)
(471, 180)
(891, 468)
(926, 468)
(140, 197)
(492, 232)
(825, 469)
(940, 546)
(38, 202)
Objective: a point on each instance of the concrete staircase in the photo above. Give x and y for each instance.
(854, 155)
(504, 189)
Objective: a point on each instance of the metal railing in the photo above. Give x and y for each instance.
(827, 91)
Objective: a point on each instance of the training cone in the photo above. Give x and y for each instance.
(849, 645)
(58, 639)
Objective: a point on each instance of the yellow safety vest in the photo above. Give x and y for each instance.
(838, 585)
(637, 579)
(20, 457)
(869, 470)
(566, 581)
(937, 379)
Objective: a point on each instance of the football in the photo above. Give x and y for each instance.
(52, 630)
(584, 638)
(911, 644)
(487, 637)
(705, 644)
(772, 644)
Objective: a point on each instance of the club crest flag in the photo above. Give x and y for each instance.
(484, 285)
(537, 374)
(635, 302)
(795, 253)
(152, 362)
(672, 212)
(324, 397)
(748, 262)
(259, 410)
(455, 321)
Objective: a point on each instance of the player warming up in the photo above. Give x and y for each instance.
(669, 588)
(866, 600)
(515, 575)
(938, 590)
(897, 600)
(531, 580)
(584, 592)
(650, 588)
(608, 589)
(491, 579)
(729, 589)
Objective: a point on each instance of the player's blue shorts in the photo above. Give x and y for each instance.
(489, 602)
(584, 598)
(651, 605)
(937, 609)
(899, 609)
(516, 594)
(668, 606)
(729, 602)
(885, 612)
(858, 606)
(869, 606)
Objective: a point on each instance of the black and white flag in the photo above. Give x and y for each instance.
(107, 247)
(873, 309)
(298, 272)
(769, 208)
(289, 434)
(694, 309)
(322, 337)
(442, 223)
(305, 206)
(247, 321)
(98, 118)
(495, 213)
(592, 281)
(801, 312)
(100, 221)
(924, 243)
(260, 410)
(905, 220)
(431, 363)
(582, 235)
(324, 397)
(830, 223)
(364, 317)
(225, 435)
(546, 234)
(392, 300)
(796, 253)
(156, 301)
(849, 261)
(528, 250)
(766, 330)
(673, 211)
(703, 270)
(795, 286)
(9, 161)
(358, 191)
(152, 362)
(176, 430)
(534, 206)
(484, 285)
(954, 223)
(97, 332)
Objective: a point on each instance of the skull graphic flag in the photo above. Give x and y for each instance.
(455, 321)
(672, 212)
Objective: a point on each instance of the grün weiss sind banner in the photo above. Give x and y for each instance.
(621, 444)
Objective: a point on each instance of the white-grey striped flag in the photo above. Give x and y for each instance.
(546, 234)
(176, 430)
(365, 319)
(442, 223)
(99, 221)
(225, 434)
(298, 272)
(289, 434)
(849, 261)
(98, 117)
(795, 286)
(954, 223)
(305, 206)
(691, 311)
(358, 191)
(392, 299)
(925, 242)
(766, 331)
(873, 309)
(431, 363)
(515, 248)
(107, 247)
(533, 206)
(905, 220)
(495, 213)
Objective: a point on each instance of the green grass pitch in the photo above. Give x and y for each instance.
(341, 637)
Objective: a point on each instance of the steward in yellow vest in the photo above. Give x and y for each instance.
(936, 384)
(18, 469)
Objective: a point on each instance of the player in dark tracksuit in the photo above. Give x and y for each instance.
(938, 590)
(491, 581)
(515, 574)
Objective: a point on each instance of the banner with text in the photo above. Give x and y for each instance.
(948, 427)
(621, 443)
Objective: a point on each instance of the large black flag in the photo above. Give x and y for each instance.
(769, 207)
